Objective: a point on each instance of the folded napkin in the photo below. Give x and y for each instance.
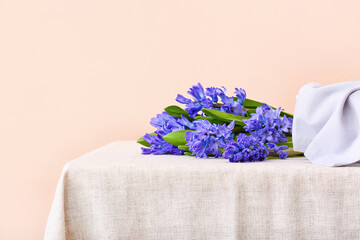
(326, 123)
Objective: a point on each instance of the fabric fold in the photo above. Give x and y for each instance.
(327, 123)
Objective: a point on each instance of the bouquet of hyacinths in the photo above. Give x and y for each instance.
(216, 125)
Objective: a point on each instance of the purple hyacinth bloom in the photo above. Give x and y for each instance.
(209, 97)
(211, 92)
(245, 149)
(165, 124)
(214, 92)
(241, 94)
(283, 154)
(197, 91)
(200, 100)
(185, 122)
(266, 125)
(159, 146)
(238, 109)
(193, 108)
(181, 99)
(278, 149)
(231, 106)
(208, 138)
(224, 132)
(286, 124)
(275, 148)
(206, 102)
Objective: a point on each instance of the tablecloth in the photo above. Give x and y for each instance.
(115, 192)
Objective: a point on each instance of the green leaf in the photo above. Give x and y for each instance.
(210, 119)
(183, 147)
(248, 103)
(176, 111)
(238, 129)
(202, 118)
(286, 114)
(143, 142)
(176, 138)
(226, 117)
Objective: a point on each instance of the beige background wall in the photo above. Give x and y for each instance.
(78, 74)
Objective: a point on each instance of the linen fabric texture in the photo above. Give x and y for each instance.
(117, 193)
(327, 123)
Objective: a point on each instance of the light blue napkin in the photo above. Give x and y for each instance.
(326, 123)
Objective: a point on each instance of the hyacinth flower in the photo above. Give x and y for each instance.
(209, 99)
(159, 146)
(214, 124)
(278, 149)
(208, 138)
(213, 93)
(186, 123)
(164, 124)
(267, 126)
(200, 100)
(245, 149)
(231, 106)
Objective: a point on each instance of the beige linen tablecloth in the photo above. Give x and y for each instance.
(116, 193)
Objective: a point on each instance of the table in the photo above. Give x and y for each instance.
(115, 192)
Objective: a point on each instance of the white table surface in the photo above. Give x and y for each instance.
(115, 192)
